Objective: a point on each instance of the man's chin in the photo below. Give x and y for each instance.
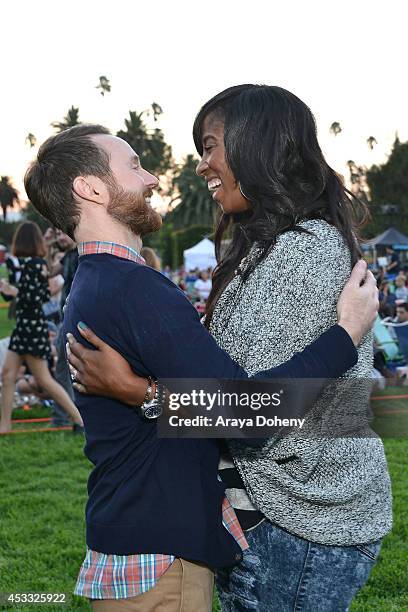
(153, 224)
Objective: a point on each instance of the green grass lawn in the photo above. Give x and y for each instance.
(43, 493)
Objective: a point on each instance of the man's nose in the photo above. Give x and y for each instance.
(150, 180)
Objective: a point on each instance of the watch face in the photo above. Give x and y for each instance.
(152, 412)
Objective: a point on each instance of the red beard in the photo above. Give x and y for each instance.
(131, 209)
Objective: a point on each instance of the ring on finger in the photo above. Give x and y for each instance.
(79, 387)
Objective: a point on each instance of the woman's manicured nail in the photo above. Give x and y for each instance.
(82, 325)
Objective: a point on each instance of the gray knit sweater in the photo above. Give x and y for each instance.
(336, 491)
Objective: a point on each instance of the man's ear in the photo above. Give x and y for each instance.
(91, 189)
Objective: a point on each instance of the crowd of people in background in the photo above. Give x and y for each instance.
(41, 269)
(196, 284)
(392, 282)
(57, 257)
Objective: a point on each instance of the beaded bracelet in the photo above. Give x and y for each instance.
(147, 396)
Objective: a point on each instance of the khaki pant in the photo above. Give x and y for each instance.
(185, 587)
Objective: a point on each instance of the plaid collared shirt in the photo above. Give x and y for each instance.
(125, 252)
(120, 576)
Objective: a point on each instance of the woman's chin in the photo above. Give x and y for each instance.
(219, 204)
(225, 209)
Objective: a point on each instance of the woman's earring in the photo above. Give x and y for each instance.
(242, 193)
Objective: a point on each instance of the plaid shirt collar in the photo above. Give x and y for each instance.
(119, 250)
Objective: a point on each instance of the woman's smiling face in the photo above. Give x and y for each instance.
(214, 169)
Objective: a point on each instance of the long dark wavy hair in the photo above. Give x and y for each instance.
(272, 150)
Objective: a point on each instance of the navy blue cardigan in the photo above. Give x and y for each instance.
(151, 495)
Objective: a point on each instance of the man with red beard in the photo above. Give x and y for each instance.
(157, 520)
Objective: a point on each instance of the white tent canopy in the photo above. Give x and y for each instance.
(201, 256)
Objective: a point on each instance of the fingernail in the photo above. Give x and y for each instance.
(82, 325)
(70, 338)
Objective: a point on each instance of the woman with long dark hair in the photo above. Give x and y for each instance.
(29, 342)
(266, 136)
(314, 508)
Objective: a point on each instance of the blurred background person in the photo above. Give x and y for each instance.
(13, 265)
(167, 272)
(65, 264)
(29, 342)
(151, 258)
(402, 313)
(203, 286)
(387, 300)
(189, 282)
(394, 263)
(401, 289)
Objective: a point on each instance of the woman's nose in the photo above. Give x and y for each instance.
(202, 166)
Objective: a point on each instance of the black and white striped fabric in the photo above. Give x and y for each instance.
(248, 515)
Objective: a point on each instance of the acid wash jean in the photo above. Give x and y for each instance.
(281, 572)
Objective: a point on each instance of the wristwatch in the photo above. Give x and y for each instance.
(152, 409)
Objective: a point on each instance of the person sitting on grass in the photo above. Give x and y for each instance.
(401, 291)
(402, 313)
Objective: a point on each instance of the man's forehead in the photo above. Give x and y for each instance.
(113, 145)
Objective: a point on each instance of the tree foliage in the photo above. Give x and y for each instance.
(71, 119)
(8, 195)
(31, 214)
(335, 128)
(371, 141)
(31, 140)
(358, 180)
(195, 205)
(7, 231)
(155, 154)
(388, 185)
(104, 85)
(184, 239)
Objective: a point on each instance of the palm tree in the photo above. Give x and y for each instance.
(358, 179)
(71, 119)
(335, 128)
(371, 141)
(155, 154)
(8, 195)
(194, 205)
(157, 110)
(354, 173)
(104, 85)
(31, 140)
